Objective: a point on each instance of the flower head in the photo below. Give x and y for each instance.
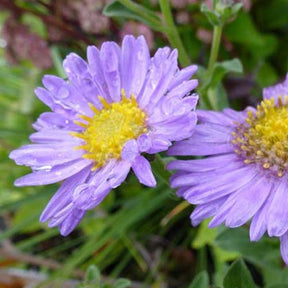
(245, 173)
(113, 108)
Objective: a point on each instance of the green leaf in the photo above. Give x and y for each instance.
(35, 24)
(200, 281)
(264, 253)
(133, 11)
(212, 17)
(34, 206)
(266, 75)
(273, 15)
(222, 68)
(93, 275)
(205, 235)
(238, 276)
(122, 283)
(243, 31)
(229, 11)
(278, 286)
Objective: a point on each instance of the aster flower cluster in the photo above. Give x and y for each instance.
(117, 106)
(244, 175)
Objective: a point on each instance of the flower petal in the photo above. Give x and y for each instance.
(143, 172)
(277, 223)
(52, 175)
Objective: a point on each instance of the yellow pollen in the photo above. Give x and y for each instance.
(263, 137)
(110, 128)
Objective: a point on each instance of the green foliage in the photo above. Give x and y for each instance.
(130, 10)
(93, 280)
(238, 276)
(200, 281)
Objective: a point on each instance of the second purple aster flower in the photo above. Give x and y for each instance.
(118, 105)
(245, 175)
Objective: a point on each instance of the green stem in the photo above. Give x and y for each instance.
(217, 32)
(172, 32)
(212, 103)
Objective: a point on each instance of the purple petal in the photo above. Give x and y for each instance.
(86, 197)
(259, 222)
(183, 75)
(50, 136)
(135, 61)
(71, 221)
(75, 67)
(211, 133)
(53, 175)
(249, 200)
(109, 56)
(144, 143)
(64, 194)
(206, 210)
(95, 69)
(143, 172)
(161, 72)
(238, 116)
(190, 147)
(202, 165)
(284, 247)
(220, 187)
(50, 120)
(223, 210)
(130, 151)
(176, 129)
(277, 90)
(118, 174)
(39, 155)
(183, 178)
(277, 223)
(159, 143)
(45, 96)
(215, 117)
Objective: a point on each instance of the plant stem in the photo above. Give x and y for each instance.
(217, 32)
(212, 103)
(172, 32)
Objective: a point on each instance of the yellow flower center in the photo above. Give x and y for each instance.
(110, 128)
(263, 137)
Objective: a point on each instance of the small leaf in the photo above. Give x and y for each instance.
(264, 253)
(93, 275)
(200, 281)
(205, 235)
(142, 14)
(211, 16)
(122, 283)
(35, 24)
(238, 276)
(221, 69)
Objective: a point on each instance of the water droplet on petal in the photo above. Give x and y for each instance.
(63, 93)
(140, 55)
(43, 168)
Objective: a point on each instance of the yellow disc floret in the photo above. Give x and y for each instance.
(263, 137)
(110, 128)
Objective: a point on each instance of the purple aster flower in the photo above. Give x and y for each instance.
(118, 105)
(245, 173)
